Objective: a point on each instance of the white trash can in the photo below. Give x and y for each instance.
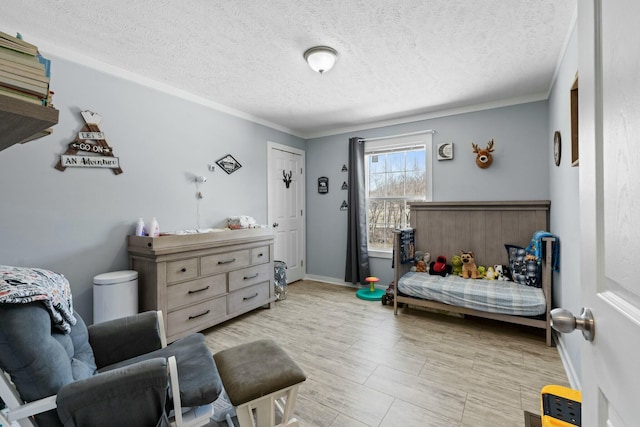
(115, 295)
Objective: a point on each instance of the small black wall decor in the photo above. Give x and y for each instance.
(323, 185)
(228, 164)
(287, 177)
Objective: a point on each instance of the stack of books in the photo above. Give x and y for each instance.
(24, 73)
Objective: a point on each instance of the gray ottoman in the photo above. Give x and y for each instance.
(259, 376)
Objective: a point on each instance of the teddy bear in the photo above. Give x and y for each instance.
(490, 273)
(421, 267)
(421, 260)
(469, 269)
(456, 264)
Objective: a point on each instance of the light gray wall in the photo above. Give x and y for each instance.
(565, 204)
(520, 170)
(76, 222)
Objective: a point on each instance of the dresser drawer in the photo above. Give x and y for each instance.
(199, 315)
(195, 290)
(220, 263)
(184, 269)
(260, 255)
(249, 276)
(248, 298)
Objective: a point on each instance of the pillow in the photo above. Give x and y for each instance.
(525, 270)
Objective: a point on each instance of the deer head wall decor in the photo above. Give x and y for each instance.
(483, 155)
(287, 178)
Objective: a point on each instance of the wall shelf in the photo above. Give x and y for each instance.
(22, 121)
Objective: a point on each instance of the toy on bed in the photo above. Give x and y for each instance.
(456, 265)
(502, 272)
(482, 270)
(469, 269)
(490, 274)
(439, 267)
(421, 260)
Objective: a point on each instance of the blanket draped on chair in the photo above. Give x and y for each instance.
(21, 285)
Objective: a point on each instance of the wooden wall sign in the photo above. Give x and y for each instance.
(89, 149)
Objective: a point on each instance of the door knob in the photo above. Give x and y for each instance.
(275, 225)
(564, 321)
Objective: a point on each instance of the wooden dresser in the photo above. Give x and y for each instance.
(200, 280)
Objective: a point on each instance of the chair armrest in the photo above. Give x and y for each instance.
(29, 409)
(121, 339)
(135, 394)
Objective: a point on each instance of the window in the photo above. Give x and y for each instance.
(397, 170)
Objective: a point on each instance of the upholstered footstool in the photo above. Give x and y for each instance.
(259, 376)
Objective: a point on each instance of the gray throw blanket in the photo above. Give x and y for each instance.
(22, 285)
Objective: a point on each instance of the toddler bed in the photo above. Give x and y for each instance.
(446, 228)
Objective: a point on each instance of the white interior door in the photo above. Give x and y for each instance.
(609, 109)
(286, 207)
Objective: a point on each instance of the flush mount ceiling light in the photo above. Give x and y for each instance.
(321, 58)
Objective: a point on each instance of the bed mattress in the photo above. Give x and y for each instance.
(485, 295)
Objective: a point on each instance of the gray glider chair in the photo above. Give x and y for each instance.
(116, 373)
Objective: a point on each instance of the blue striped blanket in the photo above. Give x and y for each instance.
(492, 296)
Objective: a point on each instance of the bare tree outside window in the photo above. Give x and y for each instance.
(394, 177)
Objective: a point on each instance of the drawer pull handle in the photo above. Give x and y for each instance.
(199, 315)
(183, 269)
(251, 277)
(227, 262)
(198, 290)
(252, 296)
(259, 255)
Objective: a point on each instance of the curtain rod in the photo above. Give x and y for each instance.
(398, 136)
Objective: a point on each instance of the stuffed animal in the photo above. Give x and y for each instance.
(481, 271)
(421, 262)
(502, 272)
(439, 267)
(456, 264)
(426, 258)
(490, 274)
(469, 269)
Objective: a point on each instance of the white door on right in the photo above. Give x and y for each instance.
(609, 121)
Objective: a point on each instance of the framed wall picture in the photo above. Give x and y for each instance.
(445, 151)
(323, 185)
(228, 164)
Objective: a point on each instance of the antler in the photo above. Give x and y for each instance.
(475, 147)
(490, 146)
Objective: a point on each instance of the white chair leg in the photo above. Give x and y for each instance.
(265, 409)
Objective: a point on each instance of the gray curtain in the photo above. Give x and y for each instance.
(357, 268)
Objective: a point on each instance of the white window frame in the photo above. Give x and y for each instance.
(397, 143)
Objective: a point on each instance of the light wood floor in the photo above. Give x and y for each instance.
(367, 367)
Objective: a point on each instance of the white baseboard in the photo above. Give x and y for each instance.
(572, 376)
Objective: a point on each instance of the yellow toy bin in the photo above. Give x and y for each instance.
(561, 406)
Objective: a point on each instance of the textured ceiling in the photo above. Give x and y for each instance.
(397, 58)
